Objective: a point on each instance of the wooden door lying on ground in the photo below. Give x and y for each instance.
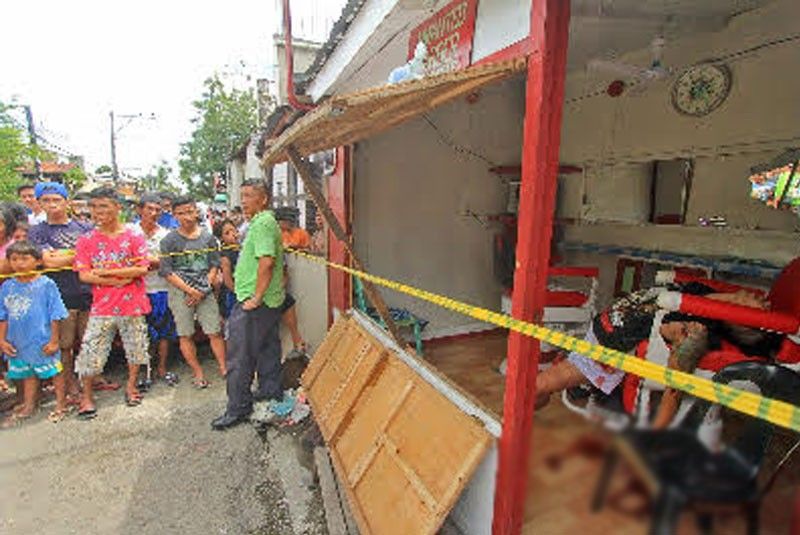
(402, 450)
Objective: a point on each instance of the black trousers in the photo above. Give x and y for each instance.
(254, 346)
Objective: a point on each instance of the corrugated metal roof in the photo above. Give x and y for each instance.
(338, 32)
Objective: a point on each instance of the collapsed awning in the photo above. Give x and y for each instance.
(345, 119)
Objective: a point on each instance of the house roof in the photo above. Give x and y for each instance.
(48, 168)
(345, 119)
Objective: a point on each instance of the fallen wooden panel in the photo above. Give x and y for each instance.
(402, 450)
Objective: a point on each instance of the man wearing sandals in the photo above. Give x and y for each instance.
(56, 237)
(254, 341)
(160, 324)
(190, 264)
(113, 259)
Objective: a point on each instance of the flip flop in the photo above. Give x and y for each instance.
(87, 414)
(133, 400)
(170, 378)
(200, 384)
(58, 415)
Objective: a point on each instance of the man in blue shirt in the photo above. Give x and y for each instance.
(166, 219)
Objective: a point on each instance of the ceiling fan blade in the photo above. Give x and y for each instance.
(615, 67)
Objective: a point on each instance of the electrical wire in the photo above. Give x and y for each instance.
(731, 56)
(53, 147)
(459, 149)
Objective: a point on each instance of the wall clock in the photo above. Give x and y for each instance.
(701, 89)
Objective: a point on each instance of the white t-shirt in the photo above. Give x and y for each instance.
(35, 219)
(153, 281)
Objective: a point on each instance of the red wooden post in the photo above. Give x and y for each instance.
(339, 289)
(541, 138)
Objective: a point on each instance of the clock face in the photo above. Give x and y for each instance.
(701, 89)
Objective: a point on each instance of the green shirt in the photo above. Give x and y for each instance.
(263, 239)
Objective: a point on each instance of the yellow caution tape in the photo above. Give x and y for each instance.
(71, 252)
(772, 410)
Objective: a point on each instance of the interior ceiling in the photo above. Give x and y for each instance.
(609, 28)
(598, 29)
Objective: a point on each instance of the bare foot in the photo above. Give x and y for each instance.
(16, 418)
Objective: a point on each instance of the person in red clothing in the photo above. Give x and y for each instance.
(293, 237)
(113, 259)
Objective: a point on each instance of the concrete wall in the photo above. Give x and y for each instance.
(411, 193)
(610, 137)
(235, 178)
(308, 283)
(304, 54)
(616, 140)
(498, 24)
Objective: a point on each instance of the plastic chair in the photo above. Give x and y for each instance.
(682, 473)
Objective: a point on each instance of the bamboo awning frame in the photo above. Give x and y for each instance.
(345, 119)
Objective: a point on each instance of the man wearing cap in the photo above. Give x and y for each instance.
(56, 236)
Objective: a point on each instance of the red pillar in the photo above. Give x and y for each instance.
(339, 289)
(541, 138)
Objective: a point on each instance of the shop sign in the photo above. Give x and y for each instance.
(448, 36)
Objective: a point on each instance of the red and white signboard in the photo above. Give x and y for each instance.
(448, 36)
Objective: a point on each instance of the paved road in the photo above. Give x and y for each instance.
(155, 469)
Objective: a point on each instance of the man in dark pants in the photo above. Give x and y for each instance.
(254, 341)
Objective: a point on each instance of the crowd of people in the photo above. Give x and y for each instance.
(72, 287)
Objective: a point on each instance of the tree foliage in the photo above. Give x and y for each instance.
(74, 179)
(14, 154)
(224, 121)
(160, 178)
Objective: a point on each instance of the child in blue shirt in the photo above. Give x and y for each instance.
(30, 312)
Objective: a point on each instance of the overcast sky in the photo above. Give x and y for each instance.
(74, 61)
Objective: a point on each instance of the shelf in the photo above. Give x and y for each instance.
(765, 248)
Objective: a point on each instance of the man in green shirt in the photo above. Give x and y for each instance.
(254, 343)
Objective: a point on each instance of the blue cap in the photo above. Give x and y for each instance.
(48, 188)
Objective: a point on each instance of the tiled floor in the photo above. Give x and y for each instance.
(562, 475)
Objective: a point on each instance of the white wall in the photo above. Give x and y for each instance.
(498, 24)
(758, 120)
(377, 40)
(620, 193)
(235, 178)
(308, 283)
(411, 192)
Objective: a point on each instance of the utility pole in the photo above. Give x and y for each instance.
(37, 164)
(114, 131)
(114, 169)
